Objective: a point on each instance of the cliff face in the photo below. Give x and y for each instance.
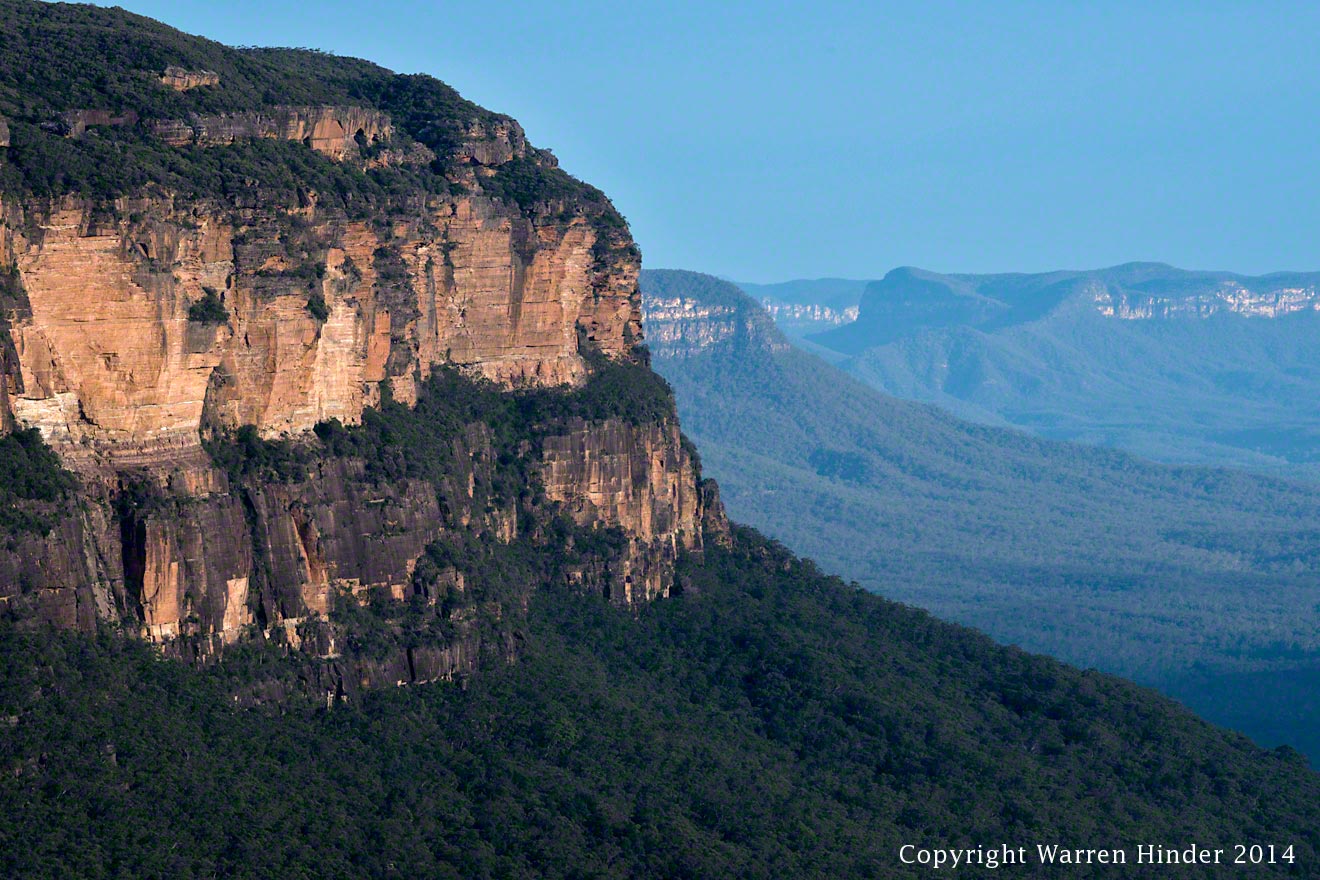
(338, 132)
(181, 79)
(688, 314)
(808, 313)
(640, 478)
(1256, 298)
(142, 332)
(110, 366)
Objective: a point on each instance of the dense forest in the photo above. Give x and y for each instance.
(1195, 580)
(45, 72)
(769, 721)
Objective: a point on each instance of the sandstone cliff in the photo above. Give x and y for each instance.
(690, 314)
(111, 367)
(640, 478)
(145, 331)
(338, 132)
(181, 79)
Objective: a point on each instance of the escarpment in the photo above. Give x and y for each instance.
(307, 358)
(642, 478)
(690, 314)
(316, 311)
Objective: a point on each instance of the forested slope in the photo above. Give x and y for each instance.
(767, 722)
(1200, 581)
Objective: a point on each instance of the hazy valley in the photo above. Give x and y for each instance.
(1196, 580)
(1178, 366)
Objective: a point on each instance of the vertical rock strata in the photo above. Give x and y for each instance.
(114, 349)
(637, 477)
(112, 366)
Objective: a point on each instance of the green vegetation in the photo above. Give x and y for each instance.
(243, 453)
(210, 309)
(432, 112)
(769, 722)
(399, 442)
(35, 484)
(1190, 579)
(527, 184)
(13, 300)
(45, 71)
(64, 56)
(106, 163)
(317, 307)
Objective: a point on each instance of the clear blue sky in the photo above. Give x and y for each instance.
(768, 141)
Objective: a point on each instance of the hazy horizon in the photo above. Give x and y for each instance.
(938, 271)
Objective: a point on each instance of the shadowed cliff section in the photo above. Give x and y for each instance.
(1199, 581)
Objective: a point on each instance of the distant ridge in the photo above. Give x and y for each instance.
(1180, 366)
(910, 299)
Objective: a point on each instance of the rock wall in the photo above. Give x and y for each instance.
(181, 79)
(814, 313)
(338, 132)
(74, 123)
(108, 360)
(1221, 298)
(63, 577)
(110, 367)
(174, 556)
(678, 326)
(640, 478)
(133, 331)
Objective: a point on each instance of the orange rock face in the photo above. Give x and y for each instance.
(181, 80)
(134, 330)
(111, 366)
(338, 132)
(110, 360)
(639, 478)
